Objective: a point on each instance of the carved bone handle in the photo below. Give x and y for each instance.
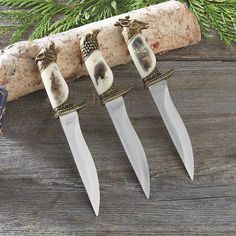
(99, 71)
(54, 83)
(141, 53)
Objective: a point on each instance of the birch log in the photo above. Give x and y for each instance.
(172, 26)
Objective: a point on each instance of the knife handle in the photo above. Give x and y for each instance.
(54, 83)
(141, 53)
(99, 71)
(3, 103)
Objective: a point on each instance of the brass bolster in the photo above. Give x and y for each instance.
(155, 76)
(112, 94)
(66, 108)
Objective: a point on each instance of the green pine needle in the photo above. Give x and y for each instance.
(219, 15)
(50, 17)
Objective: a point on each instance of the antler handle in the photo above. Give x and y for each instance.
(54, 83)
(142, 55)
(99, 71)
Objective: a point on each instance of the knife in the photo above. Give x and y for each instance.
(112, 98)
(145, 62)
(58, 91)
(3, 103)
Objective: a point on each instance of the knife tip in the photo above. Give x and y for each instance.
(146, 190)
(96, 209)
(95, 200)
(191, 172)
(191, 176)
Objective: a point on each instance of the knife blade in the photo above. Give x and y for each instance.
(145, 62)
(58, 91)
(102, 78)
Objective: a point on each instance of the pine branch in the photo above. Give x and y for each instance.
(50, 17)
(219, 15)
(27, 14)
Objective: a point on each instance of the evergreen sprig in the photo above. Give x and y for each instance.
(52, 16)
(219, 15)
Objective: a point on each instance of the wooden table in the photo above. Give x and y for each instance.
(41, 192)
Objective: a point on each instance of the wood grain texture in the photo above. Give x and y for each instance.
(41, 192)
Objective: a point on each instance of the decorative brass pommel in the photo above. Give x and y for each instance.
(131, 27)
(66, 108)
(155, 76)
(112, 93)
(89, 43)
(46, 56)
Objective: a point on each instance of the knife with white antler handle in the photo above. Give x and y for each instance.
(145, 62)
(58, 91)
(102, 79)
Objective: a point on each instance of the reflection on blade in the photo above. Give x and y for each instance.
(174, 124)
(82, 157)
(130, 142)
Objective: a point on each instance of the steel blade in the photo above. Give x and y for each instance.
(174, 124)
(82, 157)
(130, 142)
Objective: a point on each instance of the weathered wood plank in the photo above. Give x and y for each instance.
(42, 193)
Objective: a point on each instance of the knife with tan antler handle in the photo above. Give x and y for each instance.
(58, 91)
(145, 62)
(102, 79)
